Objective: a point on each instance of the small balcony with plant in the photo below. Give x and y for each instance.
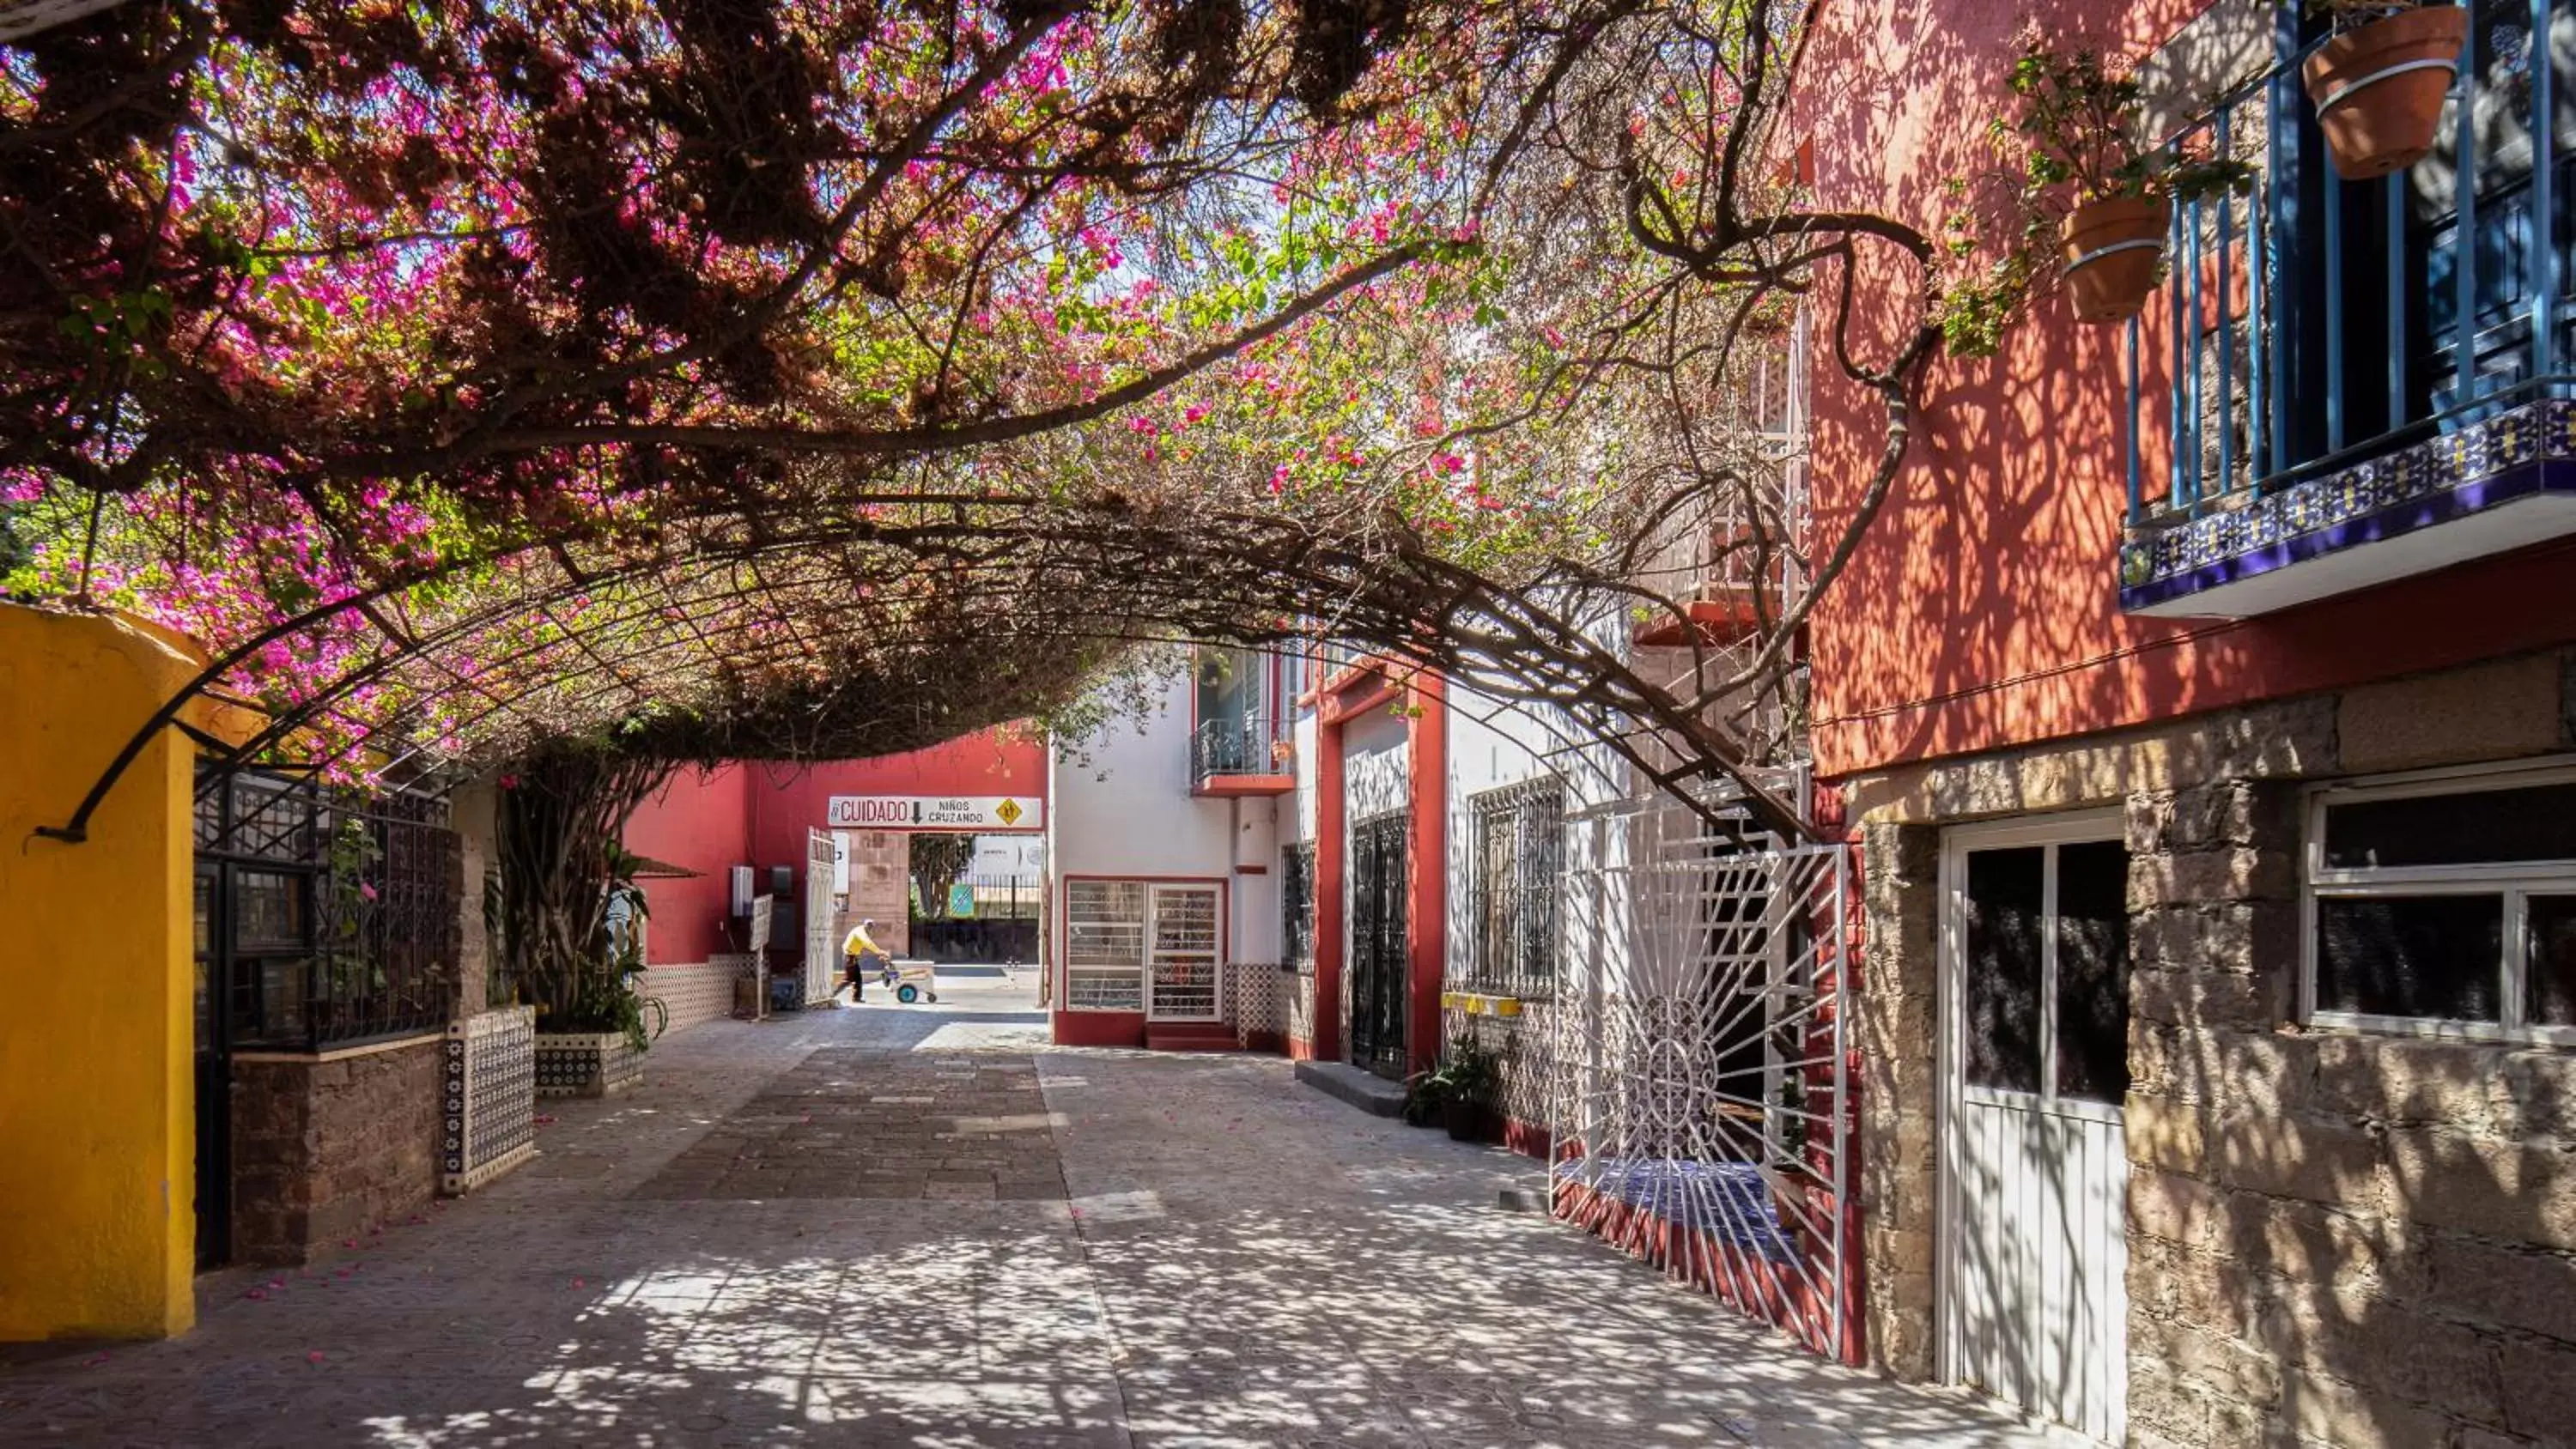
(2344, 287)
(1241, 740)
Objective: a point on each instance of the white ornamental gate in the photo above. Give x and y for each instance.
(1700, 1077)
(822, 950)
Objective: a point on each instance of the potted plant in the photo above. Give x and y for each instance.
(2378, 83)
(2075, 130)
(567, 913)
(1472, 1073)
(1426, 1094)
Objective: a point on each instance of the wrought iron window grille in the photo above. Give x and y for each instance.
(1517, 834)
(334, 913)
(1297, 907)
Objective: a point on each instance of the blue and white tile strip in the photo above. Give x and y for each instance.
(2513, 455)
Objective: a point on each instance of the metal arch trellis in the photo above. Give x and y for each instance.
(519, 656)
(1700, 1081)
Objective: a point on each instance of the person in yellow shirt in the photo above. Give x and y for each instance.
(856, 949)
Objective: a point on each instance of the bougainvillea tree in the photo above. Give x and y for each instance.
(469, 374)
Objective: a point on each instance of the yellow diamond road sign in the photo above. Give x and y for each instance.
(1010, 812)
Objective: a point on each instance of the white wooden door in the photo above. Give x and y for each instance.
(1183, 959)
(2035, 979)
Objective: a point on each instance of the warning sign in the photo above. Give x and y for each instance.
(935, 812)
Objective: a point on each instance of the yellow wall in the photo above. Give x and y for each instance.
(97, 1125)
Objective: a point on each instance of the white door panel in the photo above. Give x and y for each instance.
(2034, 1296)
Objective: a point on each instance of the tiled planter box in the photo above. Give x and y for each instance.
(587, 1064)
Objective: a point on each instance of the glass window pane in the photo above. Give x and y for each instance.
(2438, 957)
(2537, 823)
(2004, 910)
(2549, 986)
(268, 910)
(2093, 971)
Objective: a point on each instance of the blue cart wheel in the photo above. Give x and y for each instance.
(906, 994)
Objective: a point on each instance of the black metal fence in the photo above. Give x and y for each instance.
(1518, 836)
(326, 916)
(1240, 744)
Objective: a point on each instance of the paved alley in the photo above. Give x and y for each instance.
(923, 1227)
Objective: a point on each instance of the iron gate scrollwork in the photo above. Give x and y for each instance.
(1700, 1098)
(1378, 945)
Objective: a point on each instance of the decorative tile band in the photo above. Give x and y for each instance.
(587, 1064)
(488, 1100)
(1480, 1004)
(2512, 455)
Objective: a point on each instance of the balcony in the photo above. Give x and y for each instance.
(2347, 383)
(1238, 756)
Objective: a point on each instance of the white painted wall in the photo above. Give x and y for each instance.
(1128, 811)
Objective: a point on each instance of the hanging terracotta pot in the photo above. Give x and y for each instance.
(2113, 250)
(2379, 87)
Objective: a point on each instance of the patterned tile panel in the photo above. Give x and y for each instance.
(587, 1064)
(2478, 467)
(695, 992)
(1254, 992)
(488, 1102)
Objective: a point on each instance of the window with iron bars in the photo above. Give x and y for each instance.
(1516, 833)
(1297, 905)
(325, 916)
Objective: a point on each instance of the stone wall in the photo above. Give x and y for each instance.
(472, 811)
(2334, 1237)
(699, 991)
(326, 1148)
(1898, 1090)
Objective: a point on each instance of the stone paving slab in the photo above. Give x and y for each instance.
(855, 1122)
(755, 1249)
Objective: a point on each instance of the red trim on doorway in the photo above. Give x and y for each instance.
(1332, 809)
(1099, 1028)
(1426, 900)
(1369, 685)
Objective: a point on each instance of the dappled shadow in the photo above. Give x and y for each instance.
(1242, 1262)
(2364, 1238)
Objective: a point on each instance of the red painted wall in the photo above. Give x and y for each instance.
(785, 800)
(1981, 610)
(757, 814)
(698, 821)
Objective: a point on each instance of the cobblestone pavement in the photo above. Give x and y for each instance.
(921, 1227)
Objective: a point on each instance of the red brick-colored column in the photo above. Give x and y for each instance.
(1331, 809)
(1426, 891)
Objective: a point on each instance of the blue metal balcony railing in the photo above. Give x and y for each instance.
(1242, 744)
(2314, 324)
